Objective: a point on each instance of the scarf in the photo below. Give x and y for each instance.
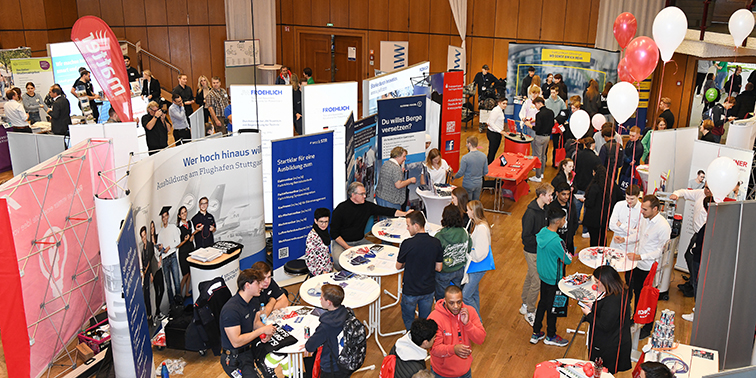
(324, 235)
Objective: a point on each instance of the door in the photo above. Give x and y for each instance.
(315, 52)
(347, 69)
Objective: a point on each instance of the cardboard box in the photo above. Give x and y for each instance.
(84, 352)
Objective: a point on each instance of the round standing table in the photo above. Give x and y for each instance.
(383, 264)
(394, 230)
(434, 204)
(296, 351)
(593, 257)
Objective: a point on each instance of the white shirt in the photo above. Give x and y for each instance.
(438, 176)
(178, 117)
(654, 235)
(481, 243)
(629, 219)
(15, 113)
(169, 237)
(496, 119)
(699, 212)
(528, 110)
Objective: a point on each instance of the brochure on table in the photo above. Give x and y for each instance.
(391, 85)
(302, 182)
(273, 104)
(327, 107)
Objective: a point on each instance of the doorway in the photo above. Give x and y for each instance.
(331, 57)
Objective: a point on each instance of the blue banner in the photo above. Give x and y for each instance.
(365, 152)
(349, 149)
(302, 180)
(136, 312)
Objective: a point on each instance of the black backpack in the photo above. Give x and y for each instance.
(352, 355)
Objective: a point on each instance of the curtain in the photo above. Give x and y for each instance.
(644, 12)
(239, 26)
(459, 11)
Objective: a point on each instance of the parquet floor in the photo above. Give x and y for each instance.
(506, 351)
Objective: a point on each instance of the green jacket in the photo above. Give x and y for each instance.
(551, 249)
(457, 245)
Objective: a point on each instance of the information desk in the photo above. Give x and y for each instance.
(593, 257)
(226, 266)
(686, 361)
(394, 230)
(434, 204)
(383, 264)
(511, 180)
(517, 145)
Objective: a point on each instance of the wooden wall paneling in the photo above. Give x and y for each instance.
(399, 15)
(217, 57)
(339, 13)
(69, 12)
(396, 36)
(374, 43)
(277, 6)
(135, 34)
(12, 39)
(506, 18)
(379, 14)
(553, 19)
(575, 31)
(31, 10)
(119, 31)
(419, 49)
(500, 55)
(279, 44)
(177, 12)
(155, 12)
(286, 9)
(484, 54)
(419, 16)
(133, 13)
(529, 20)
(593, 23)
(321, 13)
(37, 40)
(59, 35)
(441, 18)
(12, 18)
(112, 12)
(470, 12)
(180, 52)
(200, 59)
(288, 48)
(484, 18)
(358, 14)
(302, 12)
(197, 10)
(53, 14)
(688, 89)
(159, 46)
(87, 7)
(216, 13)
(469, 69)
(438, 48)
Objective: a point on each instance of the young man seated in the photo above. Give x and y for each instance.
(328, 334)
(272, 297)
(412, 348)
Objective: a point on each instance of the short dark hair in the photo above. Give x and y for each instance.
(423, 330)
(143, 229)
(111, 111)
(307, 71)
(531, 69)
(175, 96)
(417, 218)
(502, 98)
(473, 140)
(57, 90)
(633, 190)
(321, 212)
(248, 276)
(558, 76)
(485, 67)
(656, 370)
(126, 57)
(451, 217)
(333, 293)
(539, 100)
(562, 186)
(554, 215)
(652, 200)
(607, 131)
(452, 289)
(262, 266)
(700, 171)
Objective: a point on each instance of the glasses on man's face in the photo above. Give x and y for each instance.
(361, 194)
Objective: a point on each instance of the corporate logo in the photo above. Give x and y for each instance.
(266, 92)
(457, 54)
(399, 59)
(52, 259)
(332, 109)
(102, 60)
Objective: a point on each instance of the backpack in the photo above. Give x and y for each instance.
(352, 353)
(388, 367)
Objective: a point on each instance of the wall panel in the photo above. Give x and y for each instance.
(133, 13)
(88, 7)
(339, 14)
(358, 14)
(500, 54)
(419, 51)
(177, 12)
(31, 10)
(438, 50)
(484, 48)
(197, 10)
(37, 40)
(419, 16)
(484, 19)
(577, 32)
(506, 18)
(398, 16)
(286, 9)
(200, 62)
(321, 14)
(112, 12)
(12, 39)
(302, 12)
(217, 56)
(552, 20)
(379, 14)
(69, 12)
(54, 14)
(374, 43)
(441, 19)
(155, 12)
(181, 53)
(529, 20)
(216, 12)
(159, 39)
(287, 50)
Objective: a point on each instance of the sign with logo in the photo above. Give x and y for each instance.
(393, 55)
(565, 55)
(447, 88)
(36, 70)
(455, 59)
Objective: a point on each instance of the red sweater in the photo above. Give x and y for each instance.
(451, 331)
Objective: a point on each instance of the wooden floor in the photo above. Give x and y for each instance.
(506, 351)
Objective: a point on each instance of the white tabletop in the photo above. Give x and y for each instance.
(434, 204)
(358, 292)
(571, 361)
(299, 323)
(384, 262)
(394, 230)
(593, 257)
(584, 292)
(683, 362)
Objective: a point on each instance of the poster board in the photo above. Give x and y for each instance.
(365, 147)
(37, 71)
(390, 85)
(242, 53)
(67, 60)
(394, 55)
(455, 58)
(6, 69)
(669, 159)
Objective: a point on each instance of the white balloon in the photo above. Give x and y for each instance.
(598, 121)
(580, 122)
(622, 101)
(722, 177)
(670, 26)
(740, 25)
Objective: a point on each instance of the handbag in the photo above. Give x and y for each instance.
(560, 153)
(484, 265)
(649, 296)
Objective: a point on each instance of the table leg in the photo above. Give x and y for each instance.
(398, 292)
(498, 201)
(582, 319)
(297, 364)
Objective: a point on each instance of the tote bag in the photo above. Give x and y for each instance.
(483, 265)
(648, 298)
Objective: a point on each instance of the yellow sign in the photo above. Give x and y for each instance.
(565, 55)
(645, 84)
(643, 105)
(644, 95)
(31, 65)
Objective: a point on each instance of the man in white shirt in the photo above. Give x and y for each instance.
(625, 221)
(181, 130)
(14, 111)
(700, 214)
(168, 239)
(496, 120)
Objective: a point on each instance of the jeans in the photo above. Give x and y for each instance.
(171, 268)
(544, 308)
(473, 192)
(466, 375)
(579, 205)
(424, 303)
(444, 280)
(717, 138)
(540, 145)
(382, 202)
(470, 293)
(720, 78)
(532, 284)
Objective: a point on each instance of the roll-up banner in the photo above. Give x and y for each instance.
(273, 105)
(227, 171)
(302, 182)
(446, 90)
(100, 49)
(394, 55)
(327, 107)
(390, 85)
(34, 70)
(67, 60)
(402, 123)
(349, 149)
(455, 58)
(365, 147)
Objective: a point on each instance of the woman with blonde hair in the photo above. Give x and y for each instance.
(150, 87)
(480, 258)
(203, 90)
(437, 167)
(529, 110)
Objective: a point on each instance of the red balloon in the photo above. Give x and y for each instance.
(642, 55)
(624, 28)
(623, 73)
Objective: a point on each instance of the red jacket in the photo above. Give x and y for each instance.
(451, 331)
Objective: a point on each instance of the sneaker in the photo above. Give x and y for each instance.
(556, 340)
(535, 179)
(523, 309)
(586, 235)
(688, 317)
(536, 337)
(530, 318)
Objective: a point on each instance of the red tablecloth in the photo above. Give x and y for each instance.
(514, 175)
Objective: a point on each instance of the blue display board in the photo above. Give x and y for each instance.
(302, 177)
(365, 147)
(136, 312)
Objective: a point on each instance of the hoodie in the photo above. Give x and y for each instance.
(328, 334)
(451, 331)
(551, 248)
(410, 358)
(533, 221)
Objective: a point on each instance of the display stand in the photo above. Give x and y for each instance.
(226, 266)
(517, 143)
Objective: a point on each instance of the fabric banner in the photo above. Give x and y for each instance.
(390, 85)
(394, 55)
(365, 145)
(227, 171)
(402, 123)
(302, 182)
(349, 150)
(447, 90)
(455, 59)
(273, 105)
(101, 51)
(50, 277)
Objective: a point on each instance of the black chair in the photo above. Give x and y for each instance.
(296, 268)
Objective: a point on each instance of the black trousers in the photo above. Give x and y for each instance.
(159, 284)
(635, 281)
(181, 135)
(494, 141)
(556, 140)
(548, 292)
(146, 293)
(700, 78)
